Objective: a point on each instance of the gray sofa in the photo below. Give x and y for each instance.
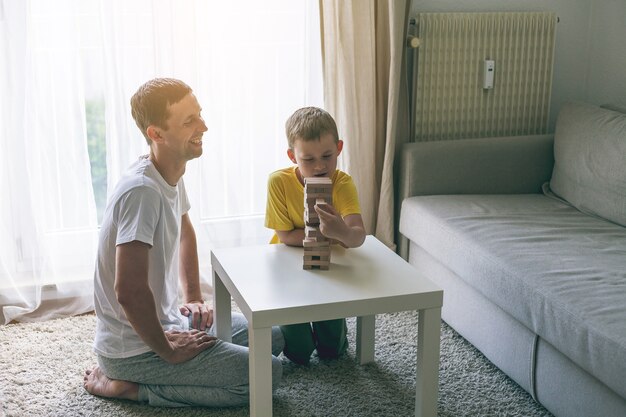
(527, 237)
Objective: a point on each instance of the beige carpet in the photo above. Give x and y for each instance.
(42, 364)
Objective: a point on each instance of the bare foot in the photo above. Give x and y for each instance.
(97, 383)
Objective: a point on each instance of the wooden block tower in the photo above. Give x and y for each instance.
(317, 190)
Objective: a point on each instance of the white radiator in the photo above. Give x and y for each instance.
(450, 100)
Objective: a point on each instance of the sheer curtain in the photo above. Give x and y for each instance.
(48, 212)
(364, 45)
(250, 64)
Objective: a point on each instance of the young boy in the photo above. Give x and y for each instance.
(314, 146)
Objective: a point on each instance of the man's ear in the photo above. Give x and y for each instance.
(153, 133)
(339, 147)
(291, 156)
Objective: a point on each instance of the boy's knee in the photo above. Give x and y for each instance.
(278, 341)
(277, 372)
(299, 342)
(332, 340)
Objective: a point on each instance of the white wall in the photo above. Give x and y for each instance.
(606, 62)
(590, 56)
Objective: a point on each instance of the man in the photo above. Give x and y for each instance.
(149, 349)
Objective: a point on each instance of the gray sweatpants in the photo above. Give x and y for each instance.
(217, 377)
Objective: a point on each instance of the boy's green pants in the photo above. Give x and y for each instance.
(329, 337)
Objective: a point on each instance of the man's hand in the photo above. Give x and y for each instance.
(187, 345)
(201, 315)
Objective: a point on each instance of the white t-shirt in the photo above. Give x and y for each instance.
(146, 208)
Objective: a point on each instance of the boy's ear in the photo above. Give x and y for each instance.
(291, 155)
(153, 133)
(339, 147)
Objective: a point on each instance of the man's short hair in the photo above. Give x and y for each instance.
(149, 105)
(310, 123)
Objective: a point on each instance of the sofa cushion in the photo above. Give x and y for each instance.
(558, 271)
(589, 154)
(618, 107)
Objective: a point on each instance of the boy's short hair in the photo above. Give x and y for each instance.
(310, 123)
(149, 104)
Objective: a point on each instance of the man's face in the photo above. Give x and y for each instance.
(316, 158)
(185, 127)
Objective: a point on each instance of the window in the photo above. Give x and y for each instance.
(69, 135)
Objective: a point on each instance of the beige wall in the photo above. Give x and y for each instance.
(590, 57)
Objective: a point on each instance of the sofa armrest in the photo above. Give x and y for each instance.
(498, 165)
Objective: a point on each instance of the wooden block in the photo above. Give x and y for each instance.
(325, 249)
(311, 214)
(313, 232)
(317, 251)
(317, 262)
(311, 202)
(315, 195)
(312, 243)
(309, 257)
(316, 256)
(324, 267)
(318, 181)
(312, 222)
(317, 190)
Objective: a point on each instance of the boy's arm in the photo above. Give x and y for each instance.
(292, 237)
(277, 213)
(350, 230)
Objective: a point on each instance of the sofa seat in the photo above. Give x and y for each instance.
(556, 270)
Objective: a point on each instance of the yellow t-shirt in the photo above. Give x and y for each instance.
(285, 199)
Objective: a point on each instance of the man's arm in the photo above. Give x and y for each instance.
(189, 269)
(189, 275)
(136, 298)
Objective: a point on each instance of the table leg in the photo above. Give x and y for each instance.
(365, 332)
(260, 371)
(427, 378)
(221, 310)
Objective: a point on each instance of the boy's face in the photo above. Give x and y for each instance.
(316, 158)
(185, 127)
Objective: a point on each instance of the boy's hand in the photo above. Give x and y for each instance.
(338, 242)
(332, 225)
(349, 232)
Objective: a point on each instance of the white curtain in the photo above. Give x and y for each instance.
(250, 64)
(48, 212)
(365, 88)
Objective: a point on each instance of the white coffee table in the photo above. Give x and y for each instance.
(270, 287)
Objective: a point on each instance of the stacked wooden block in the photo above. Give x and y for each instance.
(317, 190)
